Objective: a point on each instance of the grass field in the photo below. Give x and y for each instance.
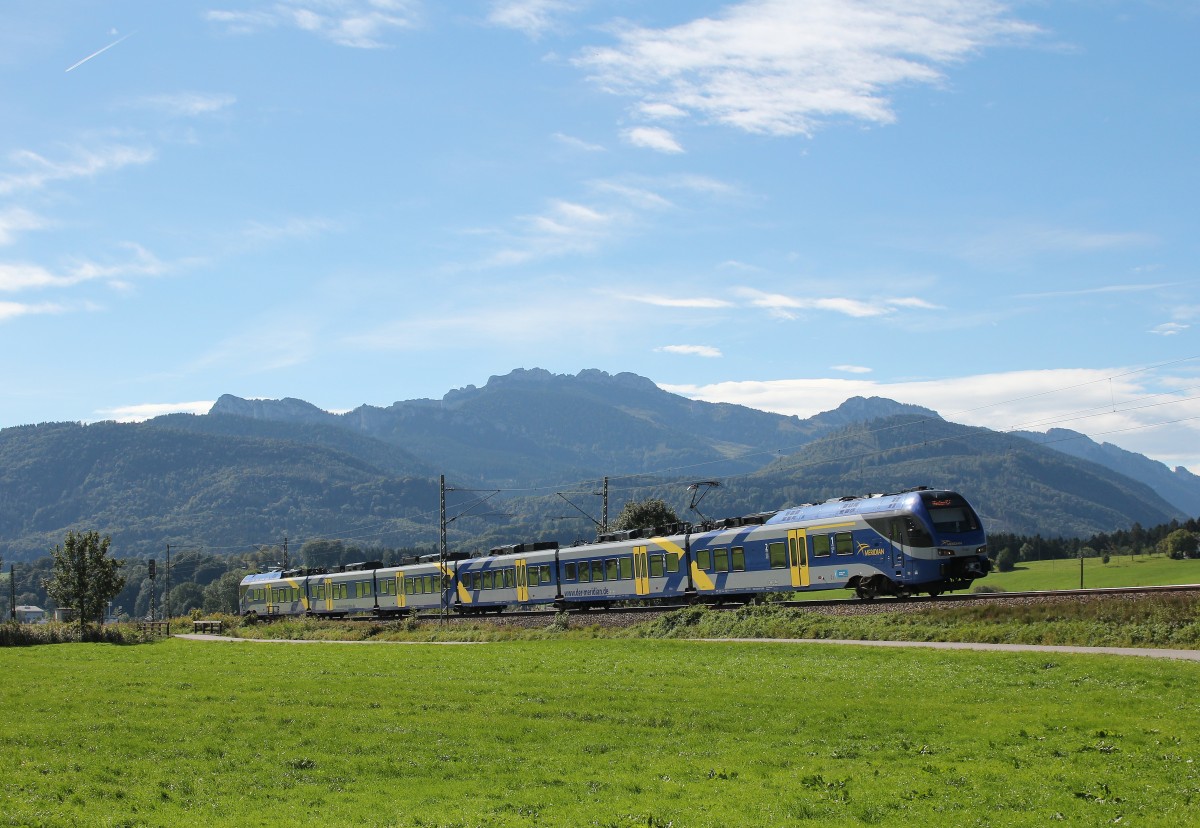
(591, 732)
(1121, 571)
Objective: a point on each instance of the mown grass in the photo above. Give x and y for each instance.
(1035, 576)
(1120, 571)
(591, 732)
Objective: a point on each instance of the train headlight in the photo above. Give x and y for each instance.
(946, 553)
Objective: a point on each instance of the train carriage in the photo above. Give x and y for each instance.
(919, 540)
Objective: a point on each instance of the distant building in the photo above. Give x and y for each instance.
(31, 615)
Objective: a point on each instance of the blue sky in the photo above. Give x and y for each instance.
(987, 208)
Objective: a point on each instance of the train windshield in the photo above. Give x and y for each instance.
(950, 513)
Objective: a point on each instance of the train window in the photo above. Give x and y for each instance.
(656, 566)
(569, 572)
(722, 560)
(738, 556)
(597, 571)
(510, 578)
(626, 565)
(547, 576)
(585, 572)
(820, 546)
(409, 586)
(610, 567)
(672, 562)
(429, 587)
(844, 541)
(704, 558)
(777, 554)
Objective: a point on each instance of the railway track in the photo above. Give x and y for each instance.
(890, 604)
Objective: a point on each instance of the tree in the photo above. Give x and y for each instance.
(186, 597)
(1179, 544)
(222, 594)
(1006, 561)
(84, 576)
(652, 511)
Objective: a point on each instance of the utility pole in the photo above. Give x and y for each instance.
(167, 594)
(286, 562)
(442, 553)
(12, 591)
(153, 574)
(604, 525)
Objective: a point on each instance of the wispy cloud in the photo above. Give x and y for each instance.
(565, 227)
(533, 17)
(17, 220)
(786, 307)
(21, 276)
(783, 68)
(701, 302)
(655, 138)
(187, 104)
(360, 24)
(706, 351)
(292, 228)
(1094, 291)
(1169, 329)
(611, 210)
(11, 310)
(36, 171)
(577, 143)
(850, 369)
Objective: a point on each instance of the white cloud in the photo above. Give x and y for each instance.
(691, 350)
(147, 411)
(11, 310)
(1139, 410)
(784, 306)
(660, 111)
(565, 227)
(22, 276)
(533, 17)
(781, 67)
(672, 302)
(655, 138)
(17, 220)
(1169, 329)
(360, 24)
(38, 171)
(850, 369)
(292, 228)
(577, 143)
(188, 104)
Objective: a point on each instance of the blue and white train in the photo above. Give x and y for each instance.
(917, 541)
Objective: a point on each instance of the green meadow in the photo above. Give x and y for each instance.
(606, 732)
(1035, 576)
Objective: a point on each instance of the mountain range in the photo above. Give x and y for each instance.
(536, 445)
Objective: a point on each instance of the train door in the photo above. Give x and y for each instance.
(641, 571)
(522, 582)
(400, 599)
(798, 556)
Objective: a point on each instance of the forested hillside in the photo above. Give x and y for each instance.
(254, 472)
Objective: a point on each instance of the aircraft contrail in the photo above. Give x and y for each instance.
(99, 52)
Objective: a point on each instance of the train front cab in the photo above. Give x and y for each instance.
(943, 542)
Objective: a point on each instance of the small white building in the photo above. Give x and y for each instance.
(30, 615)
